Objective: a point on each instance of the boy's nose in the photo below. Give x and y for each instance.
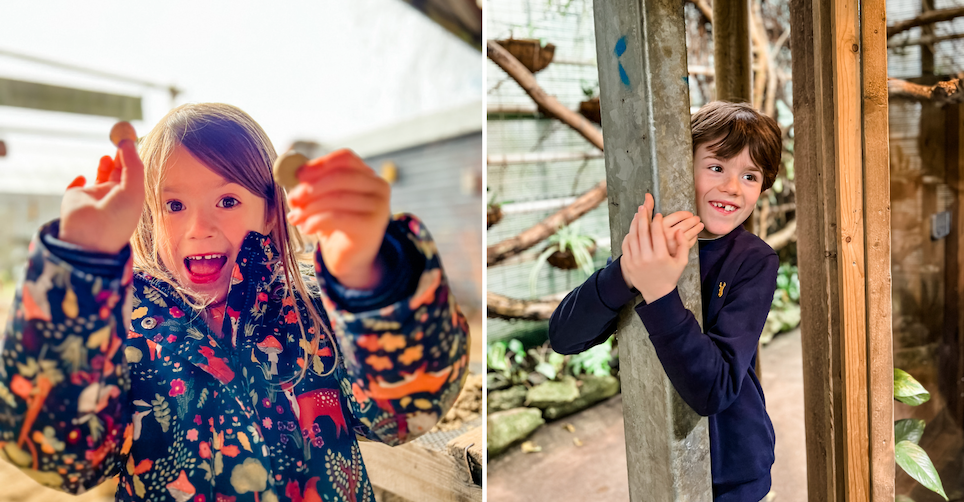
(730, 185)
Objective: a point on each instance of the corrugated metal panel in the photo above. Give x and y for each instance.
(440, 183)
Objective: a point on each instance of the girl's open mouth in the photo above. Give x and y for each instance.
(204, 268)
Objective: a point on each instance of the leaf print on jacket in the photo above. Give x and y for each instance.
(106, 372)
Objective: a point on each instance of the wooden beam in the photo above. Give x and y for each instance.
(952, 361)
(843, 191)
(66, 99)
(641, 50)
(731, 50)
(930, 17)
(415, 472)
(876, 180)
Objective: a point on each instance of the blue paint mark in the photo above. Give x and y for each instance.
(620, 46)
(686, 79)
(623, 76)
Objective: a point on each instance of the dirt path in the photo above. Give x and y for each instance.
(597, 469)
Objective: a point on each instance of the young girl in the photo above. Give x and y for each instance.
(197, 363)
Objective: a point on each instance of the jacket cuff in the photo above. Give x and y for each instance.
(81, 259)
(402, 264)
(664, 314)
(611, 287)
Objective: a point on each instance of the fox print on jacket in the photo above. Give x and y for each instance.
(114, 374)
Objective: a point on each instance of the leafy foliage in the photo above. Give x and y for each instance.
(788, 287)
(907, 390)
(907, 433)
(594, 361)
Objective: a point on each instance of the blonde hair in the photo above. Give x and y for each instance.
(230, 143)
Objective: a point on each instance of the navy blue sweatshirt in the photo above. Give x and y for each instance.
(712, 369)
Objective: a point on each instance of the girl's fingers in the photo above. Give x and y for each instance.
(130, 166)
(343, 159)
(104, 169)
(78, 182)
(337, 181)
(326, 223)
(341, 201)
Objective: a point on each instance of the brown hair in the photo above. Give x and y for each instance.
(230, 143)
(731, 127)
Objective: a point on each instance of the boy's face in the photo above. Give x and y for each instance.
(726, 190)
(203, 219)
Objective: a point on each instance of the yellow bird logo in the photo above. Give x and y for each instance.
(722, 285)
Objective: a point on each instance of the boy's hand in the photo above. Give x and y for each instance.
(685, 220)
(102, 217)
(346, 205)
(646, 262)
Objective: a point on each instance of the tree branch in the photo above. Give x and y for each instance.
(924, 40)
(550, 104)
(948, 91)
(929, 17)
(704, 9)
(540, 231)
(777, 240)
(503, 307)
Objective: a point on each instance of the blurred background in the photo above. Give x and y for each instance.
(399, 84)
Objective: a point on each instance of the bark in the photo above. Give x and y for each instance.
(540, 231)
(550, 104)
(502, 307)
(924, 40)
(946, 92)
(777, 240)
(930, 17)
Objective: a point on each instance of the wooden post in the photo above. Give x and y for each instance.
(952, 362)
(731, 50)
(641, 54)
(843, 190)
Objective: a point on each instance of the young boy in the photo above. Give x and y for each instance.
(736, 156)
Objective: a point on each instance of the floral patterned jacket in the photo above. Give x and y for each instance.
(115, 375)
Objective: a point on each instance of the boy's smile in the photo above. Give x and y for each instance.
(726, 189)
(203, 219)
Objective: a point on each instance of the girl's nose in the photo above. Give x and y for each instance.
(201, 226)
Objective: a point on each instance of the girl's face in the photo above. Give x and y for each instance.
(203, 220)
(726, 190)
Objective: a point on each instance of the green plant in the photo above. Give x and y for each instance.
(788, 287)
(907, 433)
(548, 362)
(566, 239)
(589, 89)
(504, 362)
(594, 361)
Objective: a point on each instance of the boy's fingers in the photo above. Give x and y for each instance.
(659, 238)
(682, 249)
(642, 229)
(632, 239)
(677, 218)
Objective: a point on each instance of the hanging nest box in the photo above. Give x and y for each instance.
(493, 215)
(565, 260)
(529, 52)
(590, 110)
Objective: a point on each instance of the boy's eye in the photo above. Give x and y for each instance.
(750, 177)
(174, 206)
(717, 169)
(228, 202)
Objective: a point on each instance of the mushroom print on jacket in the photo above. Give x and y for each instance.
(115, 375)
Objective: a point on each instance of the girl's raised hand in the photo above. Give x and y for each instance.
(346, 205)
(103, 216)
(647, 263)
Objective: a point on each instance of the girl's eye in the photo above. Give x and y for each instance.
(174, 206)
(228, 202)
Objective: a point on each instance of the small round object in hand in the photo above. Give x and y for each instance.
(122, 131)
(286, 169)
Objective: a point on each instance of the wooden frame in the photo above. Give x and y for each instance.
(843, 178)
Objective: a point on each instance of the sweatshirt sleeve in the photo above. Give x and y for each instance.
(404, 345)
(63, 378)
(587, 316)
(708, 369)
